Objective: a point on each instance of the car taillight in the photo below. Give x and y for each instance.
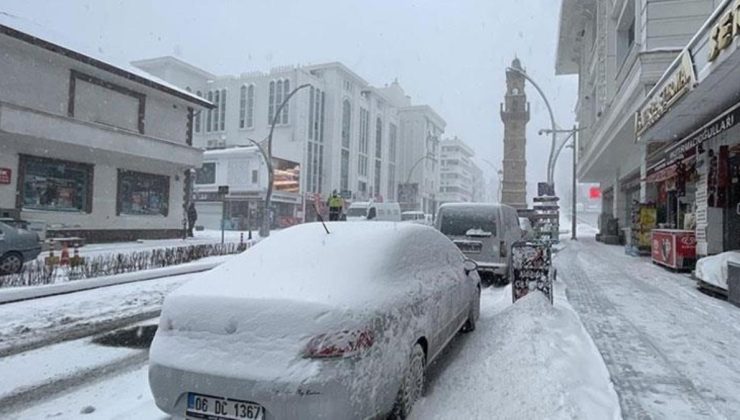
(502, 249)
(339, 344)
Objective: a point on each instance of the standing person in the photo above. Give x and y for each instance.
(192, 217)
(336, 204)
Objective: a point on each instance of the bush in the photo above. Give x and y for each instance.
(38, 273)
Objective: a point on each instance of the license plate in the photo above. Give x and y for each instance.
(470, 247)
(210, 407)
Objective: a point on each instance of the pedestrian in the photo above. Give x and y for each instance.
(192, 217)
(336, 204)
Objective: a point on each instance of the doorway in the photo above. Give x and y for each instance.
(732, 209)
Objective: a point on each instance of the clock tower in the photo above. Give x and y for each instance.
(515, 115)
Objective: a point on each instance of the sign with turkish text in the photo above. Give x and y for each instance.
(673, 88)
(725, 30)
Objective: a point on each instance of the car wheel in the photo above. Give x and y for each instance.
(412, 384)
(473, 315)
(11, 263)
(500, 281)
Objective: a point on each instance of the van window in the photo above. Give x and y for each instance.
(456, 222)
(357, 212)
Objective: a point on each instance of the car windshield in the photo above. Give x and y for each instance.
(344, 209)
(460, 222)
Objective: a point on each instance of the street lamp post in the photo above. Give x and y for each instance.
(500, 174)
(268, 163)
(411, 170)
(265, 229)
(554, 126)
(571, 133)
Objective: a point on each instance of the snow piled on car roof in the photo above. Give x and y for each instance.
(354, 263)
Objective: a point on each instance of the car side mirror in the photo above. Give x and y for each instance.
(469, 265)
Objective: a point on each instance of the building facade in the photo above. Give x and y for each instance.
(619, 50)
(515, 115)
(457, 173)
(90, 148)
(344, 134)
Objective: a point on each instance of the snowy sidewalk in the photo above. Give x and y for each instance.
(672, 351)
(530, 360)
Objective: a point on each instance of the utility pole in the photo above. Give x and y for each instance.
(574, 224)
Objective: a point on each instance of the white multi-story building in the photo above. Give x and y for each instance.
(457, 173)
(340, 132)
(88, 147)
(619, 50)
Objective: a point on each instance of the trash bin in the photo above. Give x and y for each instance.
(733, 282)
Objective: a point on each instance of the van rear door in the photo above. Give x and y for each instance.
(473, 229)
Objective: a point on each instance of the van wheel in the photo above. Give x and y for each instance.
(412, 384)
(486, 279)
(500, 281)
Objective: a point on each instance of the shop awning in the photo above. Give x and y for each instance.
(662, 173)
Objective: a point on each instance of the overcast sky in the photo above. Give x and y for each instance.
(450, 55)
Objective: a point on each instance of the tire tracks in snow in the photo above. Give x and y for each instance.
(649, 384)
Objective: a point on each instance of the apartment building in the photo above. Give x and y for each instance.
(89, 147)
(457, 174)
(620, 50)
(337, 132)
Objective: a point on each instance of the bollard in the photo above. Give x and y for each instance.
(64, 259)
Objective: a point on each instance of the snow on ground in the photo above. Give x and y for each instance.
(51, 316)
(672, 351)
(530, 360)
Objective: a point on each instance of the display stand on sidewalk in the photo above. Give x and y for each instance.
(531, 269)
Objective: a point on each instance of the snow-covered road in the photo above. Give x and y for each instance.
(672, 351)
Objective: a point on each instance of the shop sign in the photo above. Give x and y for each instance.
(725, 31)
(719, 125)
(680, 82)
(5, 176)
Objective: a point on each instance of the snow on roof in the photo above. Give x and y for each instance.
(304, 263)
(31, 32)
(231, 151)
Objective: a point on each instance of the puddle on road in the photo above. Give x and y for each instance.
(138, 337)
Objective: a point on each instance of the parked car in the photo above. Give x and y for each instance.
(345, 330)
(483, 232)
(17, 245)
(416, 217)
(527, 230)
(364, 210)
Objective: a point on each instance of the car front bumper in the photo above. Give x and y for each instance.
(324, 397)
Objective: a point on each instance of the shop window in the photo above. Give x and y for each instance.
(206, 174)
(56, 185)
(142, 194)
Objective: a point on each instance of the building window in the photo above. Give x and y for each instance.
(242, 107)
(346, 123)
(142, 194)
(378, 138)
(364, 134)
(377, 177)
(222, 110)
(392, 142)
(286, 92)
(210, 112)
(123, 107)
(255, 176)
(391, 181)
(271, 103)
(56, 185)
(344, 176)
(199, 115)
(206, 174)
(315, 150)
(626, 32)
(217, 110)
(250, 106)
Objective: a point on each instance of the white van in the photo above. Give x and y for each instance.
(484, 233)
(364, 210)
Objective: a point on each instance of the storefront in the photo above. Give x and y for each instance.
(693, 115)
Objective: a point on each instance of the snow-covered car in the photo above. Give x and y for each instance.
(314, 325)
(17, 246)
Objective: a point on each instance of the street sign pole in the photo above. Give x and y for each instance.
(223, 191)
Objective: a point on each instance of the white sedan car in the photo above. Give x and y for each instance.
(314, 325)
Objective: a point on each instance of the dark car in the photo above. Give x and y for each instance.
(17, 245)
